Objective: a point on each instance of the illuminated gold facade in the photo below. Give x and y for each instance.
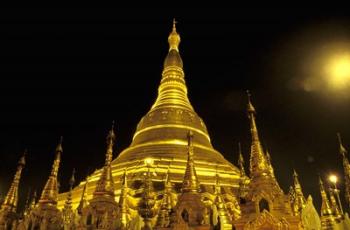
(171, 177)
(161, 136)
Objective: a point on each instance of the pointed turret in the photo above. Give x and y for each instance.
(50, 192)
(241, 161)
(346, 166)
(33, 202)
(68, 204)
(223, 217)
(334, 204)
(123, 206)
(163, 219)
(83, 200)
(327, 215)
(11, 199)
(105, 185)
(190, 182)
(258, 162)
(299, 196)
(67, 212)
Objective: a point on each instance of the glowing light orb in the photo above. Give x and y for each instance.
(339, 72)
(333, 179)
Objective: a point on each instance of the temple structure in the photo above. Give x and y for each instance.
(171, 177)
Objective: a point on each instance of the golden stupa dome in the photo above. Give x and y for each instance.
(161, 137)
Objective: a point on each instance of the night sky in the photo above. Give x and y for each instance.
(70, 72)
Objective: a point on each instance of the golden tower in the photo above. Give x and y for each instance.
(161, 136)
(346, 166)
(265, 206)
(9, 207)
(327, 215)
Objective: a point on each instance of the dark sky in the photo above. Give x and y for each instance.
(71, 72)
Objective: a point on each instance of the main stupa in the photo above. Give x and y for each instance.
(159, 143)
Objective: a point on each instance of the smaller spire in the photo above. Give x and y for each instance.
(11, 199)
(326, 207)
(50, 191)
(334, 204)
(33, 202)
(123, 206)
(68, 204)
(105, 184)
(259, 164)
(174, 38)
(190, 182)
(241, 161)
(342, 149)
(72, 179)
(110, 144)
(83, 200)
(250, 107)
(300, 200)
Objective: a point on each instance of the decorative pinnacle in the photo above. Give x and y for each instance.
(59, 146)
(342, 149)
(174, 38)
(110, 143)
(250, 108)
(72, 179)
(174, 24)
(22, 160)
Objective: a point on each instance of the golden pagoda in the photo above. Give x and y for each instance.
(8, 210)
(265, 206)
(161, 136)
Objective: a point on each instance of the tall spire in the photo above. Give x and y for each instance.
(105, 185)
(172, 89)
(190, 182)
(327, 215)
(300, 201)
(222, 213)
(241, 161)
(346, 167)
(83, 200)
(174, 38)
(334, 204)
(67, 212)
(326, 209)
(50, 191)
(123, 206)
(11, 199)
(68, 204)
(163, 219)
(258, 162)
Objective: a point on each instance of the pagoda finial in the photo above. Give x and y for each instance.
(258, 162)
(72, 179)
(105, 185)
(346, 166)
(11, 199)
(123, 206)
(325, 208)
(68, 204)
(174, 38)
(110, 144)
(334, 204)
(190, 182)
(241, 161)
(342, 149)
(33, 201)
(300, 200)
(83, 200)
(50, 191)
